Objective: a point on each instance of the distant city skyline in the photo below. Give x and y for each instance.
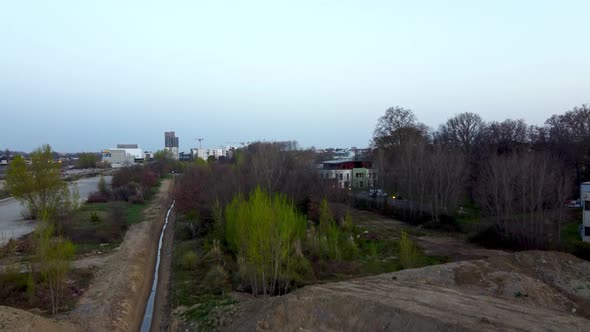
(84, 76)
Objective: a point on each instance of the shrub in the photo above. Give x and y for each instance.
(216, 281)
(137, 199)
(410, 256)
(94, 217)
(102, 186)
(124, 193)
(189, 261)
(97, 197)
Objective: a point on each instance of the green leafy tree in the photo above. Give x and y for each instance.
(39, 185)
(162, 155)
(87, 160)
(263, 232)
(102, 186)
(55, 255)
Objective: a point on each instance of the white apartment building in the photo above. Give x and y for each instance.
(205, 153)
(585, 200)
(122, 155)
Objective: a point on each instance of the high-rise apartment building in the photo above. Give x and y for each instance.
(171, 143)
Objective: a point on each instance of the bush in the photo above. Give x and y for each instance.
(189, 261)
(94, 217)
(137, 199)
(410, 256)
(97, 197)
(102, 186)
(216, 281)
(129, 190)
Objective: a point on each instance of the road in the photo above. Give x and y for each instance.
(13, 225)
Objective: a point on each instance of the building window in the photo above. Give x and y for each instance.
(587, 205)
(340, 176)
(586, 231)
(347, 176)
(361, 184)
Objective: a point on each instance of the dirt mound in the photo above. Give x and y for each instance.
(529, 291)
(12, 319)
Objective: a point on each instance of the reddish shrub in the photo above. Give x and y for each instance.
(98, 197)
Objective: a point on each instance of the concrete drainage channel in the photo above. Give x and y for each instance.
(149, 308)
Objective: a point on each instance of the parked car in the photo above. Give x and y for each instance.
(377, 193)
(573, 203)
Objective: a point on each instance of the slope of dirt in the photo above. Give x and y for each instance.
(115, 300)
(12, 319)
(527, 291)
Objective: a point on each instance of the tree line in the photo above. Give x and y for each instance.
(519, 175)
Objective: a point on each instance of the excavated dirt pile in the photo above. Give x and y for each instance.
(526, 291)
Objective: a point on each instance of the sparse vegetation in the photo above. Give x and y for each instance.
(54, 255)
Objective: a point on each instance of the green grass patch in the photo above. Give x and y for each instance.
(102, 226)
(210, 312)
(134, 213)
(570, 233)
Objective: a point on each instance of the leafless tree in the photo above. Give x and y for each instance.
(524, 193)
(396, 126)
(462, 130)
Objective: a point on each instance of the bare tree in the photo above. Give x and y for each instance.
(395, 126)
(524, 193)
(462, 130)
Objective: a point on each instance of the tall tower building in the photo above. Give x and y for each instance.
(171, 143)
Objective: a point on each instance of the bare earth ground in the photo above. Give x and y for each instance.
(115, 300)
(12, 319)
(483, 290)
(527, 291)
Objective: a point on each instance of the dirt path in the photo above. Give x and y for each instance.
(115, 300)
(93, 261)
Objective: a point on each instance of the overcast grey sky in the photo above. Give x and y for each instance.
(85, 75)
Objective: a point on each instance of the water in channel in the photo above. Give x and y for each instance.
(149, 308)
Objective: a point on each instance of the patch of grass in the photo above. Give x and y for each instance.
(134, 213)
(102, 226)
(210, 312)
(570, 233)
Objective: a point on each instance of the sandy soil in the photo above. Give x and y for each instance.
(528, 291)
(116, 298)
(12, 319)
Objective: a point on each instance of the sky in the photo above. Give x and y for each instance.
(86, 75)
